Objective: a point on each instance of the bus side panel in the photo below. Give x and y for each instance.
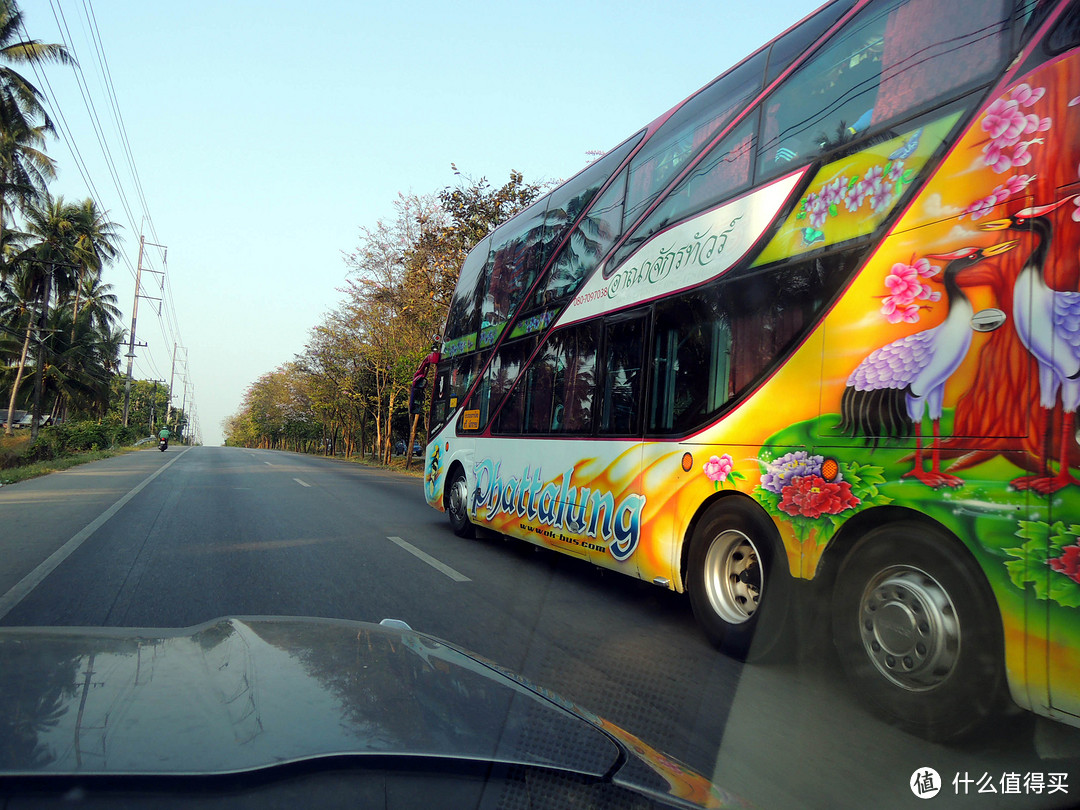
(939, 394)
(576, 496)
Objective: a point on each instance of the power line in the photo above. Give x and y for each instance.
(103, 65)
(88, 102)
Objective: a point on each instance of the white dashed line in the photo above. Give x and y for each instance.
(301, 483)
(438, 566)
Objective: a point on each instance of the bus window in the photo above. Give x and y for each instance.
(688, 130)
(713, 345)
(1066, 33)
(516, 259)
(499, 376)
(722, 173)
(566, 203)
(591, 239)
(440, 396)
(797, 41)
(623, 370)
(463, 371)
(559, 385)
(462, 319)
(691, 360)
(896, 56)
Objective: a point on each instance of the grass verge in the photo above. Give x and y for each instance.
(12, 475)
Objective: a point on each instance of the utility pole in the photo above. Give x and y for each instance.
(172, 378)
(35, 418)
(153, 404)
(134, 317)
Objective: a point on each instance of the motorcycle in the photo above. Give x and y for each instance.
(162, 444)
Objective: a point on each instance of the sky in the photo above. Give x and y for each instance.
(255, 139)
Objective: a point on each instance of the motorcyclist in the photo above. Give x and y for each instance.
(164, 435)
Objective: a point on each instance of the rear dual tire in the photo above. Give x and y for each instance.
(918, 632)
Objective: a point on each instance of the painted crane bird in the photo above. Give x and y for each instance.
(889, 392)
(1047, 322)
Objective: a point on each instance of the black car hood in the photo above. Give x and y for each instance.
(240, 694)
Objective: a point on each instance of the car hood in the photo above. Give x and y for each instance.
(240, 694)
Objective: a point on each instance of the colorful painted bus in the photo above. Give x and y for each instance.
(811, 338)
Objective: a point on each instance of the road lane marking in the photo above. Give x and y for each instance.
(438, 566)
(301, 483)
(268, 464)
(24, 586)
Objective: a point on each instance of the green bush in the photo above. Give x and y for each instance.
(76, 437)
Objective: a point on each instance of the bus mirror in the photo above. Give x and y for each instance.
(416, 397)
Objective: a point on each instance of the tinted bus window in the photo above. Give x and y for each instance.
(559, 384)
(893, 58)
(462, 320)
(722, 173)
(516, 259)
(688, 131)
(589, 242)
(566, 203)
(498, 378)
(623, 376)
(1066, 33)
(713, 345)
(797, 41)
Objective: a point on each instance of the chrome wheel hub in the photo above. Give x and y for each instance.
(909, 628)
(733, 581)
(459, 494)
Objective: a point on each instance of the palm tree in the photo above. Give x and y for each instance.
(21, 295)
(24, 170)
(86, 356)
(23, 120)
(51, 235)
(95, 246)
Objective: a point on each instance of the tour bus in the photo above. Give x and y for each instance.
(814, 331)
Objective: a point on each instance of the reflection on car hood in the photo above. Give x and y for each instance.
(242, 694)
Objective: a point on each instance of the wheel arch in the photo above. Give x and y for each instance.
(455, 465)
(733, 500)
(852, 533)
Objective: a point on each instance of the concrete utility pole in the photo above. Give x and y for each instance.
(172, 378)
(35, 418)
(153, 404)
(134, 317)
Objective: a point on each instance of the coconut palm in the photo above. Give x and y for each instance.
(24, 168)
(95, 245)
(50, 233)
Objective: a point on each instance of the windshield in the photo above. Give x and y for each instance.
(697, 384)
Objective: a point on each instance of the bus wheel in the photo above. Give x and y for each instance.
(457, 500)
(918, 632)
(738, 593)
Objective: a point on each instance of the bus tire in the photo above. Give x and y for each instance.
(739, 590)
(918, 632)
(457, 504)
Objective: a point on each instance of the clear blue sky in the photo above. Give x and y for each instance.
(266, 134)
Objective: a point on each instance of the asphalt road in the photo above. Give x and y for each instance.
(176, 539)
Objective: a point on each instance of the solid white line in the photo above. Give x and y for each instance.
(22, 588)
(438, 566)
(301, 483)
